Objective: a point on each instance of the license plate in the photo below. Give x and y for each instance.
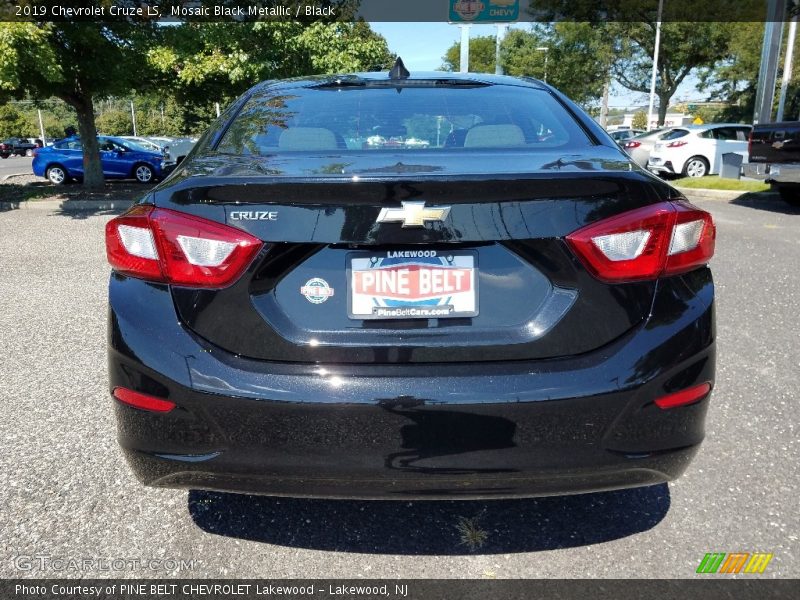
(412, 284)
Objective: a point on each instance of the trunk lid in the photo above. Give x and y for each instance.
(497, 261)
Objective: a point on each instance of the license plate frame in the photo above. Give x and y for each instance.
(443, 268)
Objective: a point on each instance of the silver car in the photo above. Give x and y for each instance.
(175, 149)
(640, 146)
(144, 143)
(622, 135)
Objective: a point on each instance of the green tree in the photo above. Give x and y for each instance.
(734, 80)
(579, 57)
(639, 120)
(343, 48)
(56, 115)
(159, 114)
(690, 42)
(482, 51)
(55, 125)
(14, 123)
(202, 63)
(115, 122)
(74, 62)
(685, 47)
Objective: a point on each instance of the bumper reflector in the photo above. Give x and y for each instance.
(142, 401)
(684, 397)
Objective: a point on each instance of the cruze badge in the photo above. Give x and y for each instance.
(413, 214)
(254, 215)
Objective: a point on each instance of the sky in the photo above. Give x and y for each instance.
(422, 46)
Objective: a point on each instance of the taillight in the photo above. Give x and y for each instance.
(684, 397)
(658, 240)
(677, 144)
(158, 244)
(142, 401)
(631, 145)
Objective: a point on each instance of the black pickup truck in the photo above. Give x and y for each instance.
(19, 146)
(775, 158)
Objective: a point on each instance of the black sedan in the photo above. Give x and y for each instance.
(392, 285)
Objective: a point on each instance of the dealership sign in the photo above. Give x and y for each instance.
(483, 11)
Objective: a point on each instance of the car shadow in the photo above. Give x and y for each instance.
(81, 210)
(6, 206)
(432, 527)
(769, 201)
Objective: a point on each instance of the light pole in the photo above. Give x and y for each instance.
(787, 68)
(464, 62)
(770, 51)
(41, 128)
(501, 31)
(544, 49)
(654, 73)
(133, 119)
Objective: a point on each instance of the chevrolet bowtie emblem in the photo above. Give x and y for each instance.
(413, 214)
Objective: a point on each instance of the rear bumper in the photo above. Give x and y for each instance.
(783, 173)
(659, 165)
(168, 167)
(580, 424)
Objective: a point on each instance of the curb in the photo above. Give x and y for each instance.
(68, 205)
(99, 205)
(725, 195)
(9, 176)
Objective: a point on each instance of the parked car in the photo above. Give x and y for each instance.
(620, 135)
(640, 146)
(121, 159)
(16, 146)
(515, 310)
(144, 142)
(175, 149)
(774, 156)
(696, 150)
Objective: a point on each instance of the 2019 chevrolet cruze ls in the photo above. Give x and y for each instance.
(430, 285)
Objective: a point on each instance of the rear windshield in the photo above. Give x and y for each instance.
(674, 134)
(426, 118)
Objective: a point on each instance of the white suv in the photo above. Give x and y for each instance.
(696, 150)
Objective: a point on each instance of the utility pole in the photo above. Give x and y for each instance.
(787, 67)
(654, 74)
(41, 128)
(464, 61)
(604, 106)
(133, 118)
(216, 105)
(770, 52)
(501, 33)
(546, 51)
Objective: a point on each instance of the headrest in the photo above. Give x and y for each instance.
(307, 138)
(494, 136)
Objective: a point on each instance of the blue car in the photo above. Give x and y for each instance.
(121, 159)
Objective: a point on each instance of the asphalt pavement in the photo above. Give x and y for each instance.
(67, 495)
(15, 165)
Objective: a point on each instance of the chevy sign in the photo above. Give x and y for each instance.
(483, 11)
